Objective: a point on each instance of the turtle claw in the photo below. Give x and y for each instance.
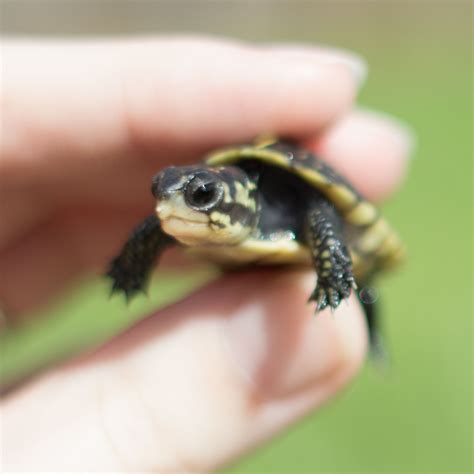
(319, 295)
(131, 269)
(330, 292)
(126, 284)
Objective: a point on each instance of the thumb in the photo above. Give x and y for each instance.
(193, 386)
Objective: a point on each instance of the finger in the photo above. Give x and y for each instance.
(104, 99)
(193, 386)
(371, 149)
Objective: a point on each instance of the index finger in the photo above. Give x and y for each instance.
(74, 105)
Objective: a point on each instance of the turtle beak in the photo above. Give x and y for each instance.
(164, 209)
(168, 181)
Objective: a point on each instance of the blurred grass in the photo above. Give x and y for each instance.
(418, 418)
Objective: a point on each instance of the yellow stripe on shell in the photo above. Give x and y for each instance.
(341, 196)
(373, 237)
(362, 214)
(391, 252)
(389, 246)
(312, 176)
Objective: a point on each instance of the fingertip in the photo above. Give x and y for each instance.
(371, 149)
(353, 62)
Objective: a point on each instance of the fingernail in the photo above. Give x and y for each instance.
(353, 62)
(279, 346)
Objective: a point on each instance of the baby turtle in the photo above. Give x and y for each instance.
(268, 203)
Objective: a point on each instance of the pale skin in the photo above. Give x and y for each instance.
(194, 386)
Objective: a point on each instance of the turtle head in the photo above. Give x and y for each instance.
(200, 205)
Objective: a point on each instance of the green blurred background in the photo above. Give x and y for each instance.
(418, 417)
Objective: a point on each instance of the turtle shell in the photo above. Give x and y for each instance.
(373, 244)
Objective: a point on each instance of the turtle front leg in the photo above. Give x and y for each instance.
(130, 270)
(331, 258)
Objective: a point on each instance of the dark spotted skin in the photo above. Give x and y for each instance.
(331, 258)
(130, 271)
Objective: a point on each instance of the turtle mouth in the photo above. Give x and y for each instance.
(174, 209)
(187, 231)
(176, 221)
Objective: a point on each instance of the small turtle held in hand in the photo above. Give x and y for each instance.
(268, 203)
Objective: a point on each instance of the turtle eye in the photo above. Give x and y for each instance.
(203, 194)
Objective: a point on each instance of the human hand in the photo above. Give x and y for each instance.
(85, 126)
